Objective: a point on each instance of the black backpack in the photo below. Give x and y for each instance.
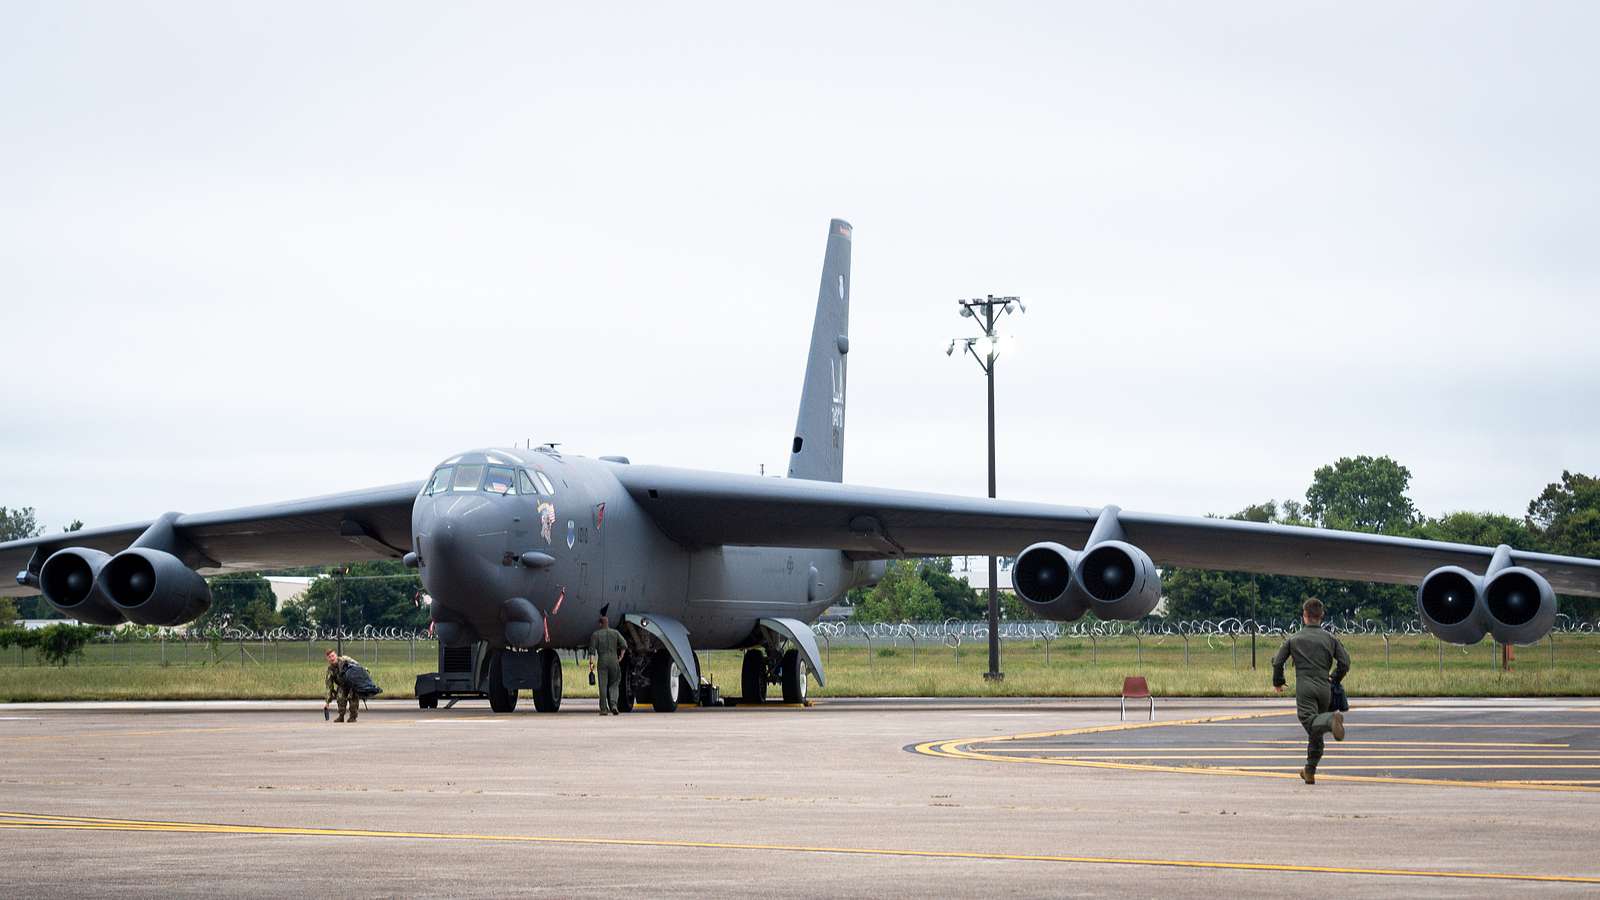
(356, 677)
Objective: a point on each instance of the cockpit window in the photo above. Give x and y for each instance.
(526, 483)
(544, 482)
(440, 482)
(501, 480)
(467, 478)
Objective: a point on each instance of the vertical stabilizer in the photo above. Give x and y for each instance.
(817, 452)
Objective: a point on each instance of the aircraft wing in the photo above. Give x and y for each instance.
(709, 508)
(374, 523)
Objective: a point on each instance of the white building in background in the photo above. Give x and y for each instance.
(36, 624)
(287, 588)
(974, 570)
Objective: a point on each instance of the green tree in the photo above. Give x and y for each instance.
(1565, 519)
(18, 524)
(956, 598)
(60, 644)
(381, 594)
(1485, 529)
(298, 614)
(900, 596)
(1362, 493)
(241, 600)
(8, 612)
(1566, 516)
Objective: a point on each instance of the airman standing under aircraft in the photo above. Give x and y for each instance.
(1315, 651)
(609, 647)
(337, 689)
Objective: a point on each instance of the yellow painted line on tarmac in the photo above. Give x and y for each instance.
(963, 748)
(1347, 744)
(1365, 724)
(1176, 752)
(1472, 758)
(30, 821)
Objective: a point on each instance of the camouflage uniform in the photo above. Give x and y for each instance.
(338, 691)
(606, 645)
(1315, 651)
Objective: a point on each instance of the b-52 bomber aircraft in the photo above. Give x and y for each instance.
(522, 548)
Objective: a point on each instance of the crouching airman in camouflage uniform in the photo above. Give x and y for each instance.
(1315, 651)
(337, 690)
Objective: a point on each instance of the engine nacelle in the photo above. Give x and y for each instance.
(1449, 603)
(68, 580)
(1043, 579)
(1119, 579)
(152, 587)
(1519, 605)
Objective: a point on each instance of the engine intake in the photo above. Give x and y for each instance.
(1520, 605)
(1043, 579)
(68, 581)
(152, 587)
(1119, 579)
(1448, 603)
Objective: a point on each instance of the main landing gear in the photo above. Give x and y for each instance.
(757, 673)
(664, 680)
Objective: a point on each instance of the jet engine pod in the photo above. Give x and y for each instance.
(68, 581)
(1119, 579)
(1520, 605)
(152, 587)
(1042, 577)
(1448, 604)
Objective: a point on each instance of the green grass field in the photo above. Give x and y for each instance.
(1415, 666)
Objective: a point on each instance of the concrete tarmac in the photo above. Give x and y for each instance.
(879, 798)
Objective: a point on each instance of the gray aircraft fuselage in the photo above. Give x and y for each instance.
(603, 552)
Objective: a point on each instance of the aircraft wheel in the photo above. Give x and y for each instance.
(794, 677)
(548, 697)
(664, 682)
(501, 698)
(429, 701)
(688, 694)
(753, 679)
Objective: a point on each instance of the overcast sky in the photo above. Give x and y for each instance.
(267, 251)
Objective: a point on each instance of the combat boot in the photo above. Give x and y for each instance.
(341, 718)
(1338, 726)
(1308, 775)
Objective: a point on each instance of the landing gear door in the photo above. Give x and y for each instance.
(671, 633)
(800, 634)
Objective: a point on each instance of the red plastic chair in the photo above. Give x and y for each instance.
(1135, 688)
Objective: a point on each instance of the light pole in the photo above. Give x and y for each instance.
(987, 311)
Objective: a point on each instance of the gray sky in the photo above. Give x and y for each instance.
(264, 251)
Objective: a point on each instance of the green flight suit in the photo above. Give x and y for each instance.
(606, 646)
(334, 682)
(1315, 652)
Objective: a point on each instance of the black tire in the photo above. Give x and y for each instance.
(548, 697)
(753, 679)
(501, 698)
(664, 682)
(794, 677)
(688, 694)
(431, 701)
